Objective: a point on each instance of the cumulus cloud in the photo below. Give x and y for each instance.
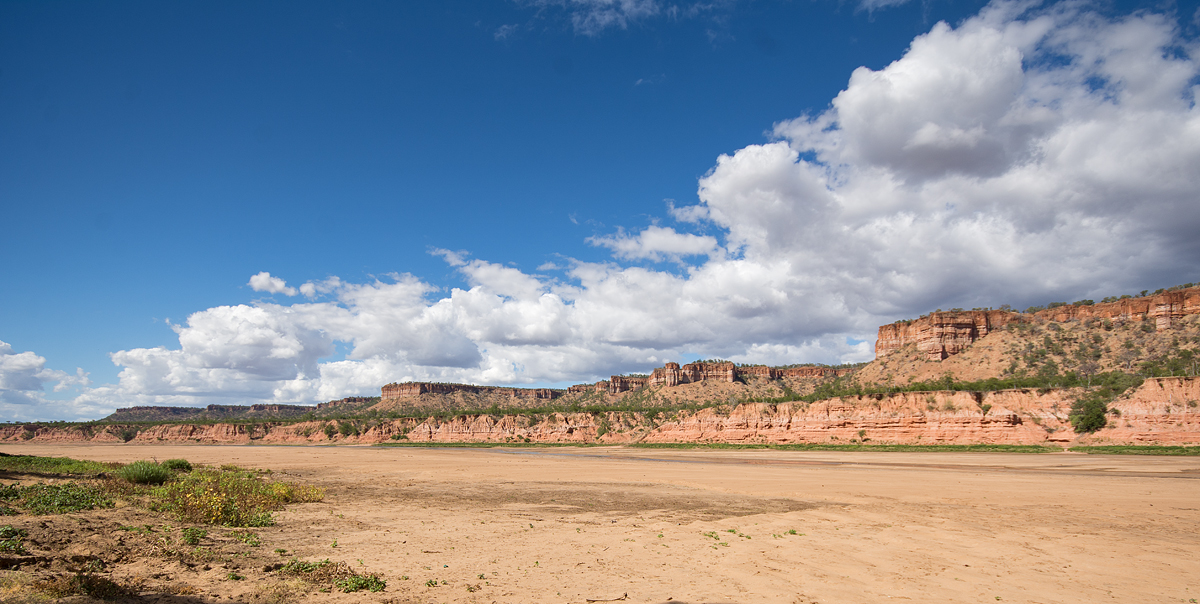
(264, 282)
(1025, 155)
(23, 380)
(657, 243)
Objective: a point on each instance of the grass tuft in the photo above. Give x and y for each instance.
(145, 472)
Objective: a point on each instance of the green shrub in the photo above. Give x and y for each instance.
(193, 534)
(181, 465)
(248, 537)
(360, 582)
(1088, 411)
(300, 567)
(229, 498)
(145, 472)
(63, 498)
(52, 465)
(12, 540)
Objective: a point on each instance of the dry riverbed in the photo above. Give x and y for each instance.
(573, 525)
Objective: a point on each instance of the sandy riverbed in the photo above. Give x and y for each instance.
(575, 524)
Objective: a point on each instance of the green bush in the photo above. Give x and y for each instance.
(360, 582)
(248, 537)
(181, 465)
(52, 465)
(145, 472)
(299, 567)
(1088, 412)
(230, 498)
(12, 540)
(63, 498)
(193, 534)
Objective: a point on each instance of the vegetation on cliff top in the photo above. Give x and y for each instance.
(1037, 308)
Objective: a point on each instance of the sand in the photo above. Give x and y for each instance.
(571, 525)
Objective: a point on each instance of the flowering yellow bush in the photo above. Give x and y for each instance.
(230, 498)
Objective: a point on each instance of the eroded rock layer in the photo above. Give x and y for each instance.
(394, 392)
(1164, 411)
(940, 335)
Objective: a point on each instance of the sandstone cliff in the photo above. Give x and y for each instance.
(211, 412)
(943, 334)
(448, 397)
(1160, 411)
(394, 392)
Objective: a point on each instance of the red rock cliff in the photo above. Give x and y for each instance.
(394, 392)
(1161, 411)
(673, 375)
(943, 334)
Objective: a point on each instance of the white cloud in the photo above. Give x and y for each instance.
(873, 5)
(312, 289)
(657, 243)
(592, 17)
(1024, 156)
(23, 378)
(504, 32)
(264, 282)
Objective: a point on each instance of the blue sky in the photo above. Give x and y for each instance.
(541, 192)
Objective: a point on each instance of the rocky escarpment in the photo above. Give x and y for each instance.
(211, 412)
(394, 392)
(940, 335)
(1161, 411)
(409, 394)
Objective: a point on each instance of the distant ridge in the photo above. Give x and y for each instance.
(211, 412)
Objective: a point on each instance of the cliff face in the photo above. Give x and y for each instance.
(943, 334)
(1161, 411)
(407, 394)
(672, 374)
(1164, 309)
(160, 414)
(394, 392)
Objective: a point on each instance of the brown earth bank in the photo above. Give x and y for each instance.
(1162, 411)
(570, 525)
